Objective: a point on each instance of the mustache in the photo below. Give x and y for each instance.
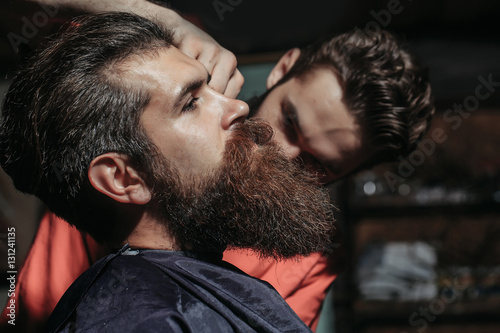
(255, 131)
(259, 132)
(240, 147)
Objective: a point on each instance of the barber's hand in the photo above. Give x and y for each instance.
(220, 63)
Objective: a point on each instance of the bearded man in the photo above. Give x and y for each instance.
(165, 170)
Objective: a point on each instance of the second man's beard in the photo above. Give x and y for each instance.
(256, 199)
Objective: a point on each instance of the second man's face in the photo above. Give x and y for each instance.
(313, 124)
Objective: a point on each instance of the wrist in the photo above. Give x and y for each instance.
(161, 15)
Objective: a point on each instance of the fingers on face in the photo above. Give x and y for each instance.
(234, 85)
(221, 64)
(226, 79)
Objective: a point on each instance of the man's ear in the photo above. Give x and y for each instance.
(285, 63)
(113, 175)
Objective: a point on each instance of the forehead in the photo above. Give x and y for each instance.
(163, 73)
(321, 113)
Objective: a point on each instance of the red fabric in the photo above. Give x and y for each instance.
(61, 253)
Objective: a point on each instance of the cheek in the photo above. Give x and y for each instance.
(273, 116)
(197, 147)
(291, 149)
(270, 112)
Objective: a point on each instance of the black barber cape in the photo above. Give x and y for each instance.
(170, 291)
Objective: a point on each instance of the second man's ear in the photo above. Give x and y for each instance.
(285, 63)
(113, 175)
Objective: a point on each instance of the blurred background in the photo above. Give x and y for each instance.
(423, 233)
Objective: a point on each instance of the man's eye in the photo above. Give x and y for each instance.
(191, 105)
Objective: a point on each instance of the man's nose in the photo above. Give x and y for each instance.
(234, 111)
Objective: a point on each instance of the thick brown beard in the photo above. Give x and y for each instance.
(257, 199)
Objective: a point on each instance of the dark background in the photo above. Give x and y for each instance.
(457, 39)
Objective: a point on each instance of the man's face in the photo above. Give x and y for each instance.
(221, 181)
(313, 124)
(187, 120)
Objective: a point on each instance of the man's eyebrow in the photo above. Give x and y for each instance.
(193, 85)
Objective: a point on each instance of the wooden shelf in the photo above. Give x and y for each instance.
(441, 306)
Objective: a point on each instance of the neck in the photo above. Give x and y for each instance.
(150, 233)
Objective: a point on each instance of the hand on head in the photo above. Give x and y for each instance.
(220, 63)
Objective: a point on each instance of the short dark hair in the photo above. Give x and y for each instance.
(67, 106)
(385, 88)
